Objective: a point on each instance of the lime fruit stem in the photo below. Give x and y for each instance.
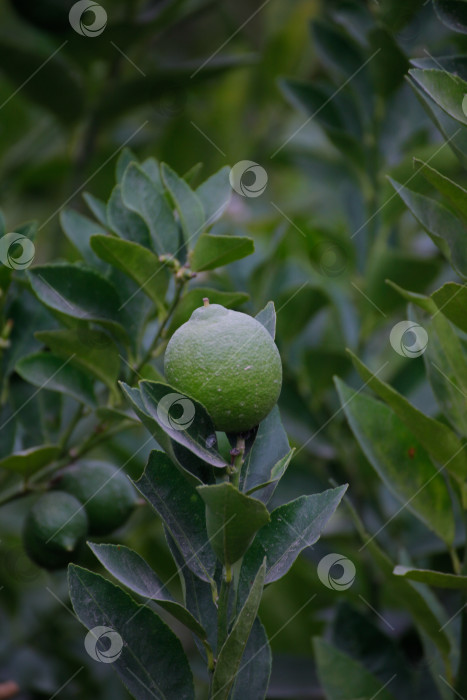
(205, 301)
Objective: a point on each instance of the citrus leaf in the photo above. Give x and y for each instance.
(232, 520)
(182, 510)
(97, 207)
(451, 299)
(438, 579)
(47, 371)
(214, 195)
(267, 317)
(443, 227)
(230, 655)
(195, 431)
(130, 569)
(446, 89)
(216, 251)
(124, 222)
(399, 459)
(92, 349)
(152, 662)
(194, 299)
(456, 194)
(78, 292)
(437, 438)
(142, 196)
(79, 229)
(342, 677)
(255, 667)
(137, 262)
(189, 207)
(28, 462)
(293, 527)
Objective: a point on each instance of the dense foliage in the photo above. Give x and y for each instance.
(344, 236)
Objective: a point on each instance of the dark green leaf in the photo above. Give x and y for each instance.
(293, 527)
(189, 207)
(47, 371)
(125, 157)
(255, 667)
(152, 662)
(386, 52)
(445, 229)
(92, 349)
(232, 520)
(78, 292)
(437, 438)
(142, 196)
(137, 262)
(79, 229)
(456, 194)
(446, 89)
(29, 461)
(130, 569)
(124, 222)
(230, 655)
(433, 578)
(451, 299)
(216, 251)
(182, 510)
(343, 678)
(214, 195)
(97, 207)
(194, 298)
(400, 460)
(160, 399)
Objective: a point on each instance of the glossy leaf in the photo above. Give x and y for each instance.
(79, 229)
(446, 89)
(28, 462)
(137, 262)
(194, 299)
(152, 661)
(182, 510)
(230, 655)
(130, 569)
(94, 350)
(437, 438)
(343, 678)
(216, 251)
(199, 435)
(188, 205)
(232, 520)
(400, 460)
(293, 527)
(78, 292)
(454, 193)
(142, 196)
(47, 371)
(214, 195)
(124, 222)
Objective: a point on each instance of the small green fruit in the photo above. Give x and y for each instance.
(227, 361)
(54, 529)
(105, 492)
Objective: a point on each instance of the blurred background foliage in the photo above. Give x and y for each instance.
(282, 84)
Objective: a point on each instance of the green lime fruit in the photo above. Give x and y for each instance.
(105, 492)
(227, 361)
(54, 529)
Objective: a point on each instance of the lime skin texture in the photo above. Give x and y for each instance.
(227, 361)
(54, 529)
(105, 492)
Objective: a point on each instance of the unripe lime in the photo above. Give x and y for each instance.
(54, 529)
(105, 492)
(227, 361)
